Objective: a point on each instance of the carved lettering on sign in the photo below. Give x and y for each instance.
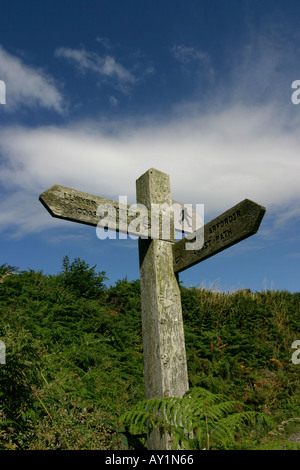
(227, 220)
(234, 225)
(75, 198)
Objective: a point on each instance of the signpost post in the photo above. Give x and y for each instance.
(161, 258)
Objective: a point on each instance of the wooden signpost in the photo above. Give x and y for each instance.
(77, 206)
(161, 258)
(229, 228)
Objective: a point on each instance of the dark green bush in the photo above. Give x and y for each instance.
(82, 279)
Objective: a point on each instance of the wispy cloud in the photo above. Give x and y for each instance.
(263, 67)
(113, 101)
(106, 67)
(27, 85)
(294, 255)
(104, 41)
(194, 62)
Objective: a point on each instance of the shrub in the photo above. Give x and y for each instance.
(82, 279)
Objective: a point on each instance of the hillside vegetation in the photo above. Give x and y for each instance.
(74, 359)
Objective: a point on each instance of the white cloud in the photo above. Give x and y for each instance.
(20, 214)
(2, 92)
(113, 101)
(294, 255)
(105, 42)
(194, 62)
(27, 85)
(105, 67)
(186, 54)
(217, 159)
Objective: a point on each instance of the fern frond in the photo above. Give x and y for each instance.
(195, 420)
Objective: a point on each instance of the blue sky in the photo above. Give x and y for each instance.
(98, 92)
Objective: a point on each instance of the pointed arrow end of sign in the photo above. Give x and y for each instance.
(257, 211)
(47, 198)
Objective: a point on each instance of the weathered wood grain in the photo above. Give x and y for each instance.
(165, 366)
(77, 206)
